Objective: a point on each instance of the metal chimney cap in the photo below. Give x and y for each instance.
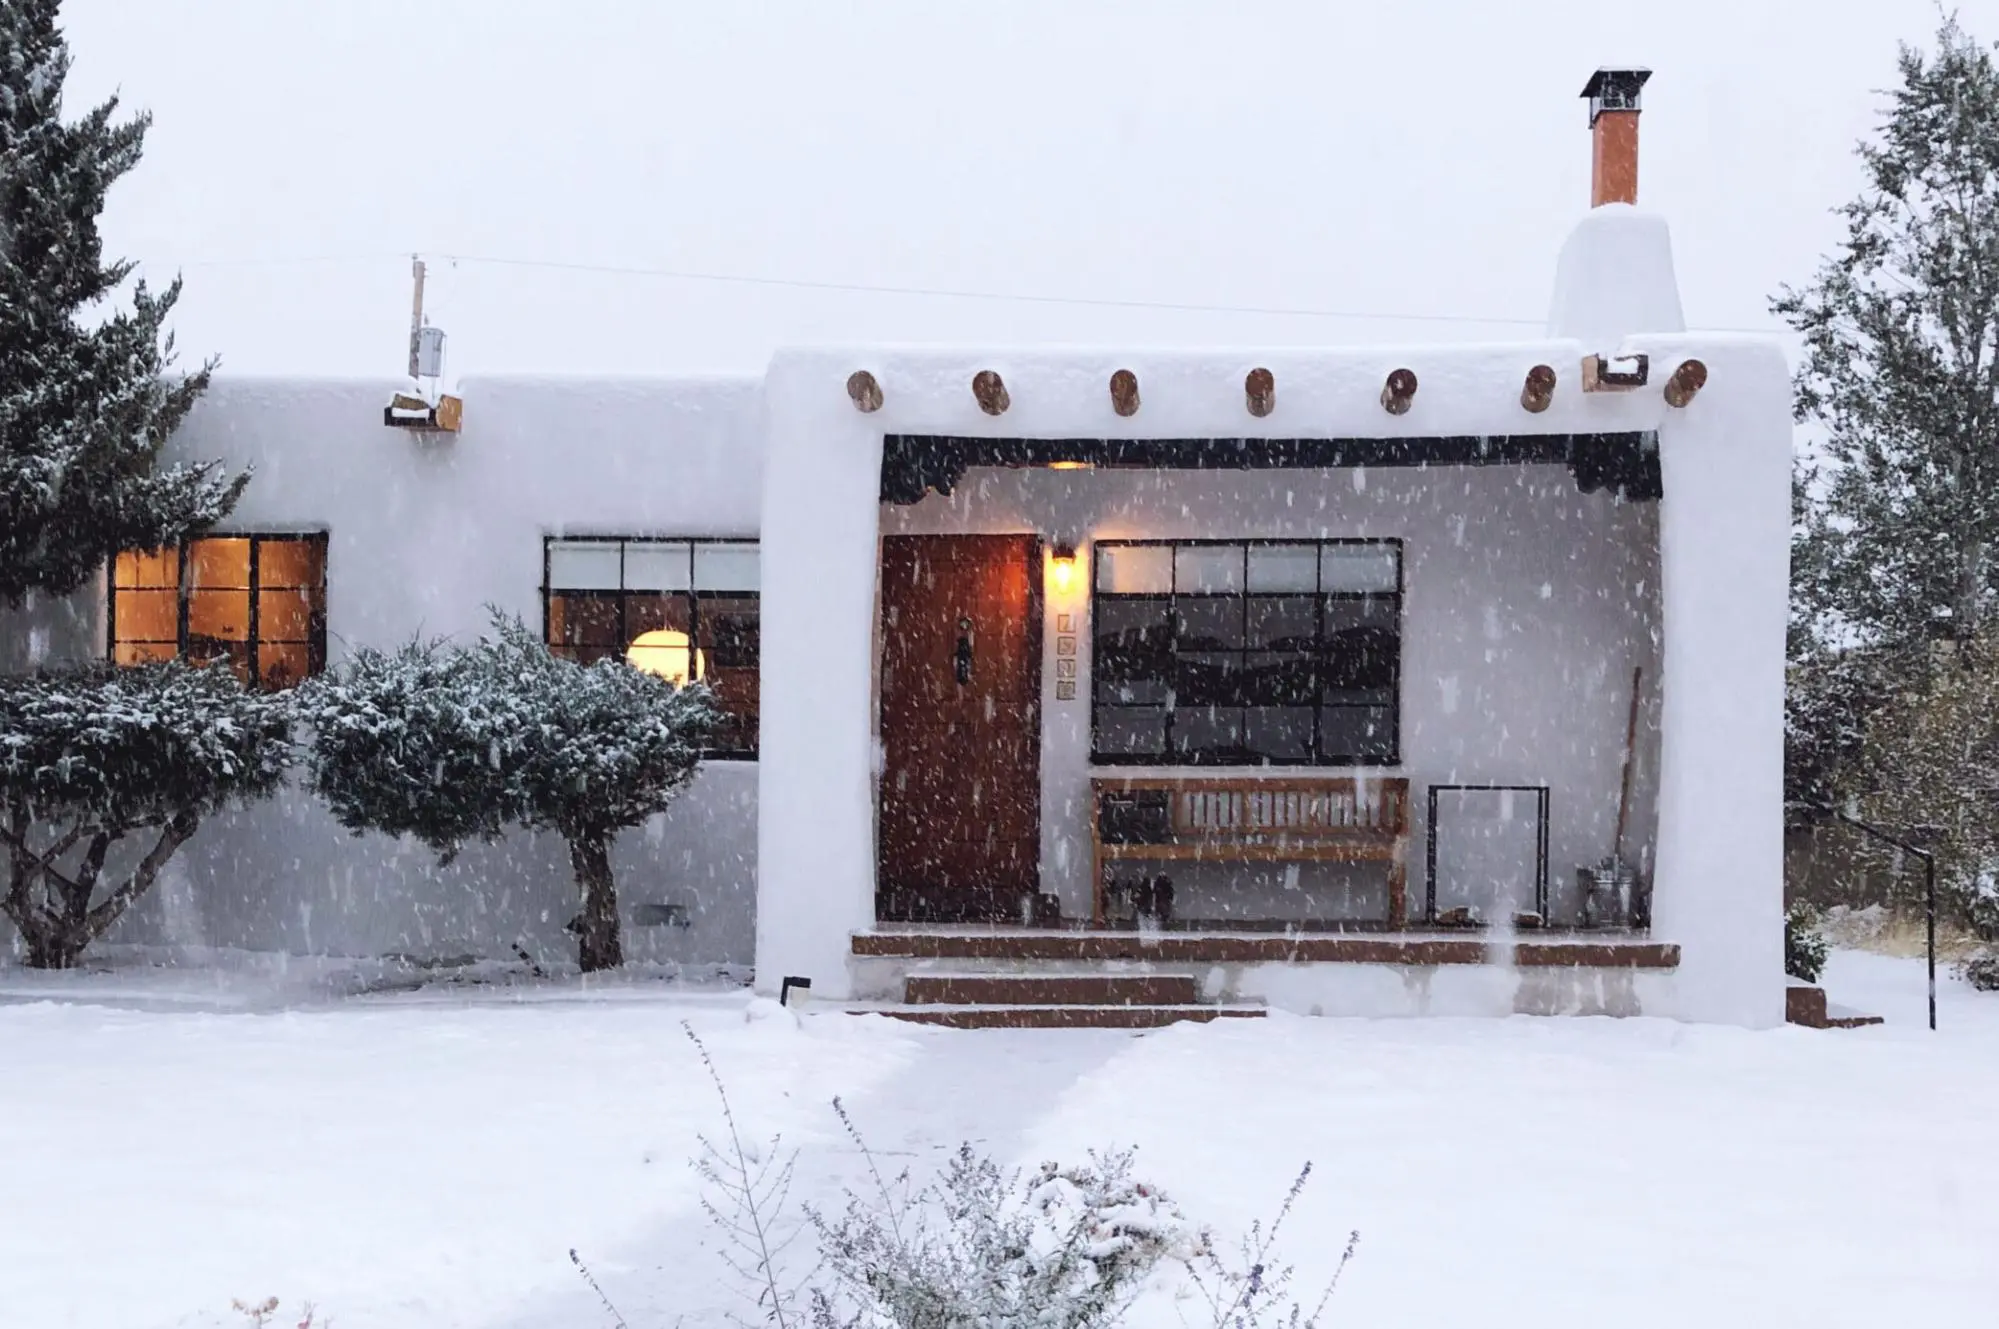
(1611, 79)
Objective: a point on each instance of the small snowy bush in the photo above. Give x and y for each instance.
(1981, 969)
(452, 743)
(1051, 1248)
(1805, 950)
(93, 758)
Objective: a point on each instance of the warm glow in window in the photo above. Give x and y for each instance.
(669, 654)
(255, 602)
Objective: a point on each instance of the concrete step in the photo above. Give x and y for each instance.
(1051, 990)
(1065, 1017)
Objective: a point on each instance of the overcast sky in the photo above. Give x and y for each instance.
(1420, 157)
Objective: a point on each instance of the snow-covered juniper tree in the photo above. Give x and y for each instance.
(86, 402)
(91, 759)
(451, 743)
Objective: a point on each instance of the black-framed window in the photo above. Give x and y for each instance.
(258, 601)
(1246, 652)
(684, 608)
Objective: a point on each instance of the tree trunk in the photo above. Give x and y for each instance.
(57, 929)
(598, 943)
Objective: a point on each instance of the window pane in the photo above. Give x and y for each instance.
(1209, 622)
(285, 561)
(1283, 567)
(653, 565)
(585, 620)
(1208, 731)
(1274, 679)
(578, 565)
(1356, 568)
(283, 664)
(1278, 733)
(146, 616)
(731, 632)
(284, 615)
(730, 638)
(1130, 731)
(220, 562)
(1207, 569)
(217, 616)
(652, 613)
(234, 654)
(160, 567)
(1209, 679)
(1357, 733)
(139, 652)
(1362, 650)
(1133, 653)
(1135, 569)
(726, 567)
(1288, 622)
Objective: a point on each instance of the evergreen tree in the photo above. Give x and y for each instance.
(1901, 367)
(86, 401)
(98, 759)
(449, 744)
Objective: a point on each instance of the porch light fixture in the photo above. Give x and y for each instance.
(1124, 392)
(1062, 562)
(1688, 379)
(1539, 390)
(865, 392)
(1399, 392)
(990, 390)
(668, 653)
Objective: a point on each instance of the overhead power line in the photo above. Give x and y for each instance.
(939, 292)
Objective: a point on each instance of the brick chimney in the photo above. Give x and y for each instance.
(1613, 123)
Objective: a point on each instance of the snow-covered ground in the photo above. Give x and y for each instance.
(425, 1160)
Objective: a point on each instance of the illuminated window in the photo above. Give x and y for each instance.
(685, 609)
(257, 601)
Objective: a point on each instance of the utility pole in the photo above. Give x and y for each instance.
(416, 312)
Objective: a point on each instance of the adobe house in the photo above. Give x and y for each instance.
(1142, 683)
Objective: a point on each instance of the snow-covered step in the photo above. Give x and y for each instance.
(1044, 989)
(981, 1016)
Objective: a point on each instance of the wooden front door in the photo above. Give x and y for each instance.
(960, 834)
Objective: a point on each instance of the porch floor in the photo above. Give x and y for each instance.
(1540, 948)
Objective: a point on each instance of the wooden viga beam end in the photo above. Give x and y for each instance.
(1259, 387)
(990, 390)
(1124, 392)
(1399, 391)
(1687, 380)
(865, 392)
(1538, 391)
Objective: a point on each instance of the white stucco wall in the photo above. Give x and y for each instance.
(424, 531)
(1526, 606)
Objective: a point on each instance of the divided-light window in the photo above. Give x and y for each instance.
(257, 601)
(687, 609)
(1247, 653)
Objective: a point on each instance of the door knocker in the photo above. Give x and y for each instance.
(962, 658)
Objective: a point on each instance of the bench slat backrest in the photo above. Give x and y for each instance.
(1298, 808)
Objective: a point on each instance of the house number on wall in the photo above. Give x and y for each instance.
(1065, 662)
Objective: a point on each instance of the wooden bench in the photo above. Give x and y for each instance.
(1252, 819)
